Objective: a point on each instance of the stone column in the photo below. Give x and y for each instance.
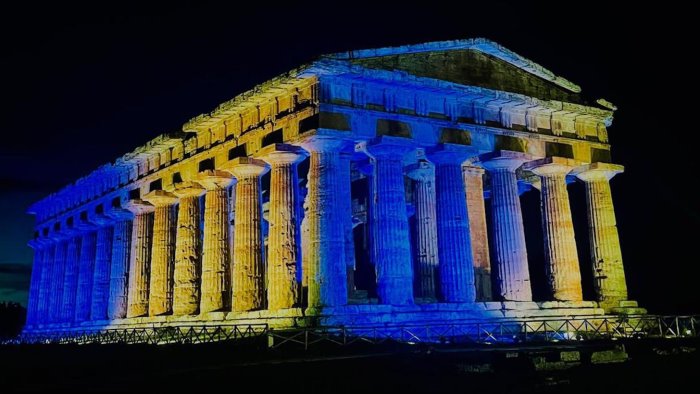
(86, 272)
(57, 273)
(394, 273)
(513, 275)
(119, 266)
(44, 301)
(70, 277)
(283, 237)
(188, 249)
(423, 173)
(346, 209)
(454, 243)
(140, 261)
(248, 269)
(160, 299)
(39, 247)
(474, 189)
(216, 257)
(608, 272)
(323, 261)
(103, 259)
(560, 253)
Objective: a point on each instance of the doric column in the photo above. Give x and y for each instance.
(561, 257)
(103, 259)
(188, 249)
(44, 301)
(216, 257)
(140, 259)
(70, 277)
(346, 209)
(86, 272)
(39, 247)
(56, 285)
(608, 272)
(513, 276)
(323, 261)
(394, 273)
(119, 266)
(474, 190)
(283, 237)
(160, 298)
(248, 269)
(423, 173)
(454, 243)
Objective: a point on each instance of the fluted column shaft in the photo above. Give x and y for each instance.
(561, 256)
(283, 259)
(513, 275)
(86, 272)
(100, 279)
(140, 259)
(160, 297)
(608, 271)
(188, 263)
(70, 278)
(394, 273)
(45, 295)
(426, 232)
(248, 268)
(474, 189)
(119, 266)
(346, 209)
(39, 247)
(216, 257)
(323, 261)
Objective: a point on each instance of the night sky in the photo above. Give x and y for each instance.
(81, 86)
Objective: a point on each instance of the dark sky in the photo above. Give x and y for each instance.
(82, 85)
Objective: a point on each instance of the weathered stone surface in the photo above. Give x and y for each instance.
(70, 278)
(86, 272)
(512, 273)
(423, 173)
(140, 259)
(100, 280)
(216, 257)
(119, 266)
(188, 251)
(248, 269)
(160, 299)
(284, 255)
(561, 255)
(474, 189)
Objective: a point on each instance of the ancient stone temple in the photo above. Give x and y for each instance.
(367, 187)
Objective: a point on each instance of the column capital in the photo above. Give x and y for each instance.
(101, 219)
(504, 160)
(450, 153)
(423, 170)
(119, 214)
(138, 207)
(323, 143)
(246, 167)
(188, 189)
(215, 179)
(281, 154)
(597, 171)
(86, 225)
(473, 170)
(390, 147)
(551, 166)
(160, 198)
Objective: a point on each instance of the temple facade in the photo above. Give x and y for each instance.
(367, 187)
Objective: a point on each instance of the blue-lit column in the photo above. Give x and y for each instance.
(103, 259)
(44, 301)
(39, 247)
(119, 266)
(70, 276)
(454, 242)
(86, 272)
(323, 259)
(346, 209)
(394, 273)
(140, 259)
(513, 275)
(423, 173)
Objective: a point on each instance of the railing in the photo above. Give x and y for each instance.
(506, 331)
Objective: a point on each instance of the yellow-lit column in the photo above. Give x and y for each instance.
(160, 301)
(140, 261)
(188, 247)
(283, 236)
(608, 272)
(248, 269)
(561, 256)
(216, 257)
(474, 189)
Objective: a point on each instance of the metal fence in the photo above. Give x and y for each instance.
(506, 331)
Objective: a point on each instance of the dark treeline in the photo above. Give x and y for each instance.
(12, 317)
